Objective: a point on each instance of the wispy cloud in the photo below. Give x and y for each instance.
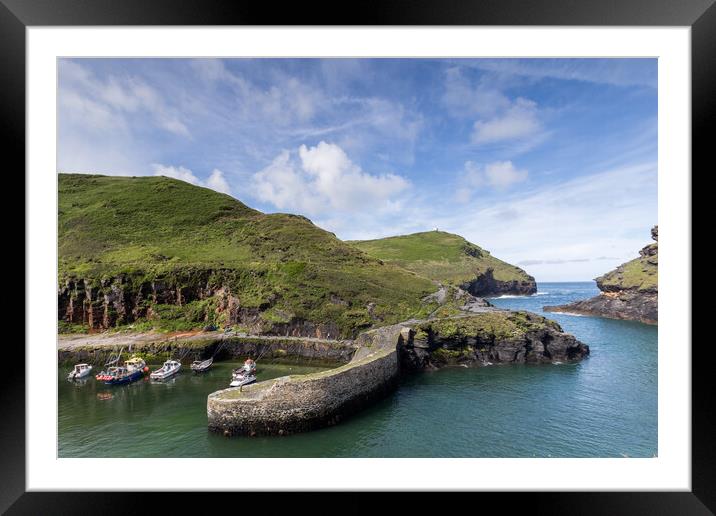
(462, 98)
(614, 72)
(607, 212)
(107, 101)
(498, 118)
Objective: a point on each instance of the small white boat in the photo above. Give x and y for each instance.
(169, 369)
(79, 371)
(242, 379)
(199, 366)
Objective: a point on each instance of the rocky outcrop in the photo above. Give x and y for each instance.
(300, 403)
(485, 284)
(196, 296)
(628, 292)
(493, 337)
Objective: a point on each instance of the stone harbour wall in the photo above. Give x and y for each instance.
(299, 403)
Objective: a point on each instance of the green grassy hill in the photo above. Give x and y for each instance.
(158, 252)
(450, 259)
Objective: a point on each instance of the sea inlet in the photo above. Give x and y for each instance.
(603, 406)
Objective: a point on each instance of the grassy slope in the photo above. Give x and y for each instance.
(156, 226)
(639, 274)
(440, 256)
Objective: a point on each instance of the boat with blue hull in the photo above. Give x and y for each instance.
(120, 376)
(132, 370)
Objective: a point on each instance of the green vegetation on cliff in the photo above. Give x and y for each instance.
(443, 257)
(146, 229)
(640, 274)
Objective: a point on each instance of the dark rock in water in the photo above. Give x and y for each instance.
(485, 284)
(628, 292)
(628, 305)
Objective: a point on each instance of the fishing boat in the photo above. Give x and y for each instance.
(80, 371)
(168, 369)
(245, 374)
(241, 379)
(199, 366)
(132, 370)
(111, 361)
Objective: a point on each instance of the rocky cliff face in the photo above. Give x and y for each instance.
(629, 292)
(485, 284)
(193, 297)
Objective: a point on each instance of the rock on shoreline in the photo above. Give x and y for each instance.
(629, 292)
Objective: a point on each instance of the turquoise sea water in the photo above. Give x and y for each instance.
(605, 406)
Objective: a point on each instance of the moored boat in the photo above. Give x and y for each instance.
(132, 370)
(249, 367)
(79, 371)
(119, 375)
(168, 369)
(245, 374)
(199, 366)
(241, 379)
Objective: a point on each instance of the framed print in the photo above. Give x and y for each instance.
(331, 257)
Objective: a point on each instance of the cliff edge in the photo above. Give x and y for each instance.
(629, 292)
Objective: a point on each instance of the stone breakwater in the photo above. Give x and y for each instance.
(299, 403)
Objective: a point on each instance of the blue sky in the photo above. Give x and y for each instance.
(550, 164)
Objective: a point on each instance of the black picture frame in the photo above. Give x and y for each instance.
(700, 15)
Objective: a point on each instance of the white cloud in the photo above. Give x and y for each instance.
(324, 180)
(499, 175)
(519, 121)
(216, 180)
(284, 185)
(503, 174)
(181, 173)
